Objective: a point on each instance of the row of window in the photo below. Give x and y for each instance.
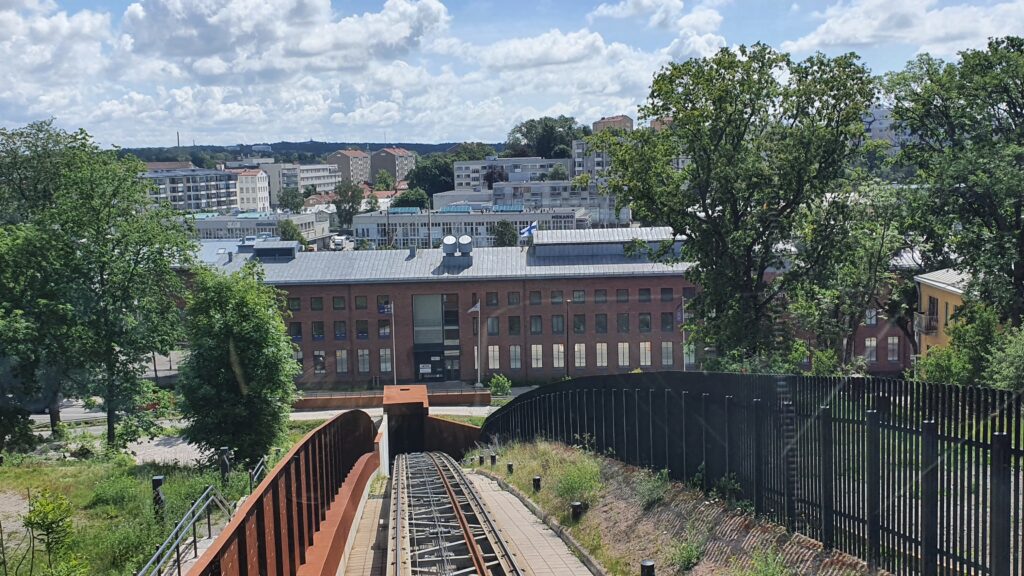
(892, 345)
(341, 361)
(316, 303)
(340, 330)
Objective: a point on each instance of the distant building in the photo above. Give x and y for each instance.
(253, 162)
(442, 200)
(280, 175)
(586, 160)
(940, 295)
(261, 224)
(479, 175)
(262, 148)
(253, 190)
(156, 166)
(620, 122)
(561, 194)
(323, 177)
(408, 227)
(395, 161)
(353, 165)
(195, 189)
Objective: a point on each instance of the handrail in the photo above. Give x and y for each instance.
(257, 473)
(162, 557)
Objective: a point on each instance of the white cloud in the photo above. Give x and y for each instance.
(659, 13)
(923, 24)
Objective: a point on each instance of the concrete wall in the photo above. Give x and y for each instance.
(452, 438)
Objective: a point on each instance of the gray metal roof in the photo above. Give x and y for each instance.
(602, 235)
(946, 279)
(275, 244)
(377, 266)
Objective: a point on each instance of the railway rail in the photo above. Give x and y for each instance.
(438, 525)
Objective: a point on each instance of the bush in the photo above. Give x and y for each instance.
(580, 482)
(1005, 369)
(767, 562)
(500, 385)
(16, 429)
(651, 487)
(685, 555)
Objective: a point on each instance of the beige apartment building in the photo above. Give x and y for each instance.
(395, 161)
(253, 190)
(353, 165)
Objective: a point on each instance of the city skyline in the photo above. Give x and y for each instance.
(221, 72)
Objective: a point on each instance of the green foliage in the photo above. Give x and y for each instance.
(308, 191)
(651, 487)
(687, 554)
(348, 203)
(383, 181)
(72, 566)
(372, 203)
(581, 182)
(411, 198)
(505, 234)
(434, 173)
(766, 562)
(546, 137)
(290, 199)
(558, 172)
(16, 429)
(1005, 369)
(972, 332)
(579, 482)
(237, 383)
(500, 385)
(289, 231)
(49, 520)
(766, 140)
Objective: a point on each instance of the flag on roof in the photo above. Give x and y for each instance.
(529, 230)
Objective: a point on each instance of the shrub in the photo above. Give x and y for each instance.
(16, 429)
(581, 482)
(1006, 362)
(49, 519)
(767, 562)
(500, 385)
(687, 554)
(651, 487)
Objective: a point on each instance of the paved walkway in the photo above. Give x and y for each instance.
(370, 547)
(537, 550)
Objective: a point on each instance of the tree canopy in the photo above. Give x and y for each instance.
(291, 199)
(384, 181)
(411, 198)
(505, 234)
(546, 137)
(348, 202)
(289, 231)
(436, 172)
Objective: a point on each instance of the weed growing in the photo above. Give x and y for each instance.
(651, 487)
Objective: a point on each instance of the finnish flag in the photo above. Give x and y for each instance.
(529, 230)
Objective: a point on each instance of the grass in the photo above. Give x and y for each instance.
(498, 401)
(686, 554)
(651, 487)
(477, 421)
(766, 562)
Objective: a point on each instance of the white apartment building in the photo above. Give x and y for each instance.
(253, 190)
(195, 189)
(472, 175)
(412, 227)
(323, 177)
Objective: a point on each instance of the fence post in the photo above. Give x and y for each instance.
(705, 477)
(159, 502)
(929, 498)
(728, 434)
(828, 517)
(225, 464)
(758, 408)
(1001, 505)
(789, 461)
(874, 489)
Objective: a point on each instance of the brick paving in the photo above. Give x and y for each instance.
(368, 556)
(537, 550)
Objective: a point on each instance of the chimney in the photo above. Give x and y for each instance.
(231, 257)
(412, 251)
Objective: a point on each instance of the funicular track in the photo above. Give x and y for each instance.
(438, 525)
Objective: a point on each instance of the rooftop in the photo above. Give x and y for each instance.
(185, 172)
(396, 151)
(245, 171)
(946, 279)
(603, 235)
(154, 166)
(353, 153)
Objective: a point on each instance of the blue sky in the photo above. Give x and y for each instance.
(228, 71)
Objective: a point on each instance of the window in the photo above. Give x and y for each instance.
(602, 354)
(535, 297)
(362, 329)
(623, 322)
(493, 358)
(295, 304)
(515, 362)
(871, 316)
(579, 323)
(491, 298)
(536, 325)
(579, 296)
(668, 324)
(600, 296)
(319, 362)
(384, 328)
(513, 298)
(338, 302)
(383, 304)
(689, 355)
(601, 323)
(557, 324)
(645, 353)
(558, 355)
(894, 348)
(645, 295)
(318, 330)
(645, 322)
(536, 356)
(316, 303)
(492, 326)
(667, 295)
(666, 353)
(622, 296)
(580, 354)
(295, 331)
(340, 330)
(341, 361)
(623, 353)
(360, 302)
(385, 359)
(514, 325)
(870, 349)
(557, 297)
(298, 357)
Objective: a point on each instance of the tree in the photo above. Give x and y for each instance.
(348, 202)
(495, 174)
(384, 181)
(291, 199)
(965, 123)
(412, 198)
(558, 172)
(963, 362)
(433, 173)
(470, 151)
(308, 191)
(505, 234)
(372, 203)
(763, 138)
(546, 137)
(581, 182)
(289, 231)
(1005, 363)
(237, 383)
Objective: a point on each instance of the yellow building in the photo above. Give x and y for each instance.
(939, 295)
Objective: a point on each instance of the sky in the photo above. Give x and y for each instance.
(250, 71)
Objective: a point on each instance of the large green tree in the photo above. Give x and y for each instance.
(967, 143)
(505, 234)
(291, 199)
(433, 173)
(411, 198)
(237, 383)
(289, 231)
(546, 137)
(759, 138)
(348, 202)
(383, 181)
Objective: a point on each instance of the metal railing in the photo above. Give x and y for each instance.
(168, 557)
(257, 473)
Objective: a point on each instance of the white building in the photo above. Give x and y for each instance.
(261, 224)
(479, 175)
(195, 189)
(561, 194)
(253, 190)
(323, 177)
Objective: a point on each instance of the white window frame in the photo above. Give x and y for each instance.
(322, 355)
(871, 349)
(536, 355)
(579, 352)
(493, 357)
(623, 354)
(558, 355)
(601, 349)
(645, 353)
(341, 361)
(668, 351)
(891, 343)
(515, 361)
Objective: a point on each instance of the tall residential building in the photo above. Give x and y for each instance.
(323, 177)
(586, 160)
(253, 189)
(395, 161)
(280, 175)
(620, 122)
(353, 165)
(479, 175)
(195, 189)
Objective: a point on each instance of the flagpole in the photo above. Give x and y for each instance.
(394, 348)
(479, 347)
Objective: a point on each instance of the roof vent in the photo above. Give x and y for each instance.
(465, 245)
(449, 245)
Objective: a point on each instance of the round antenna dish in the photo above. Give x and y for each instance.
(465, 244)
(449, 245)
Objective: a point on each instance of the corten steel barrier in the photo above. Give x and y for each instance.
(272, 531)
(914, 478)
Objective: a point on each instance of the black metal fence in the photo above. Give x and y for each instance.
(914, 478)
